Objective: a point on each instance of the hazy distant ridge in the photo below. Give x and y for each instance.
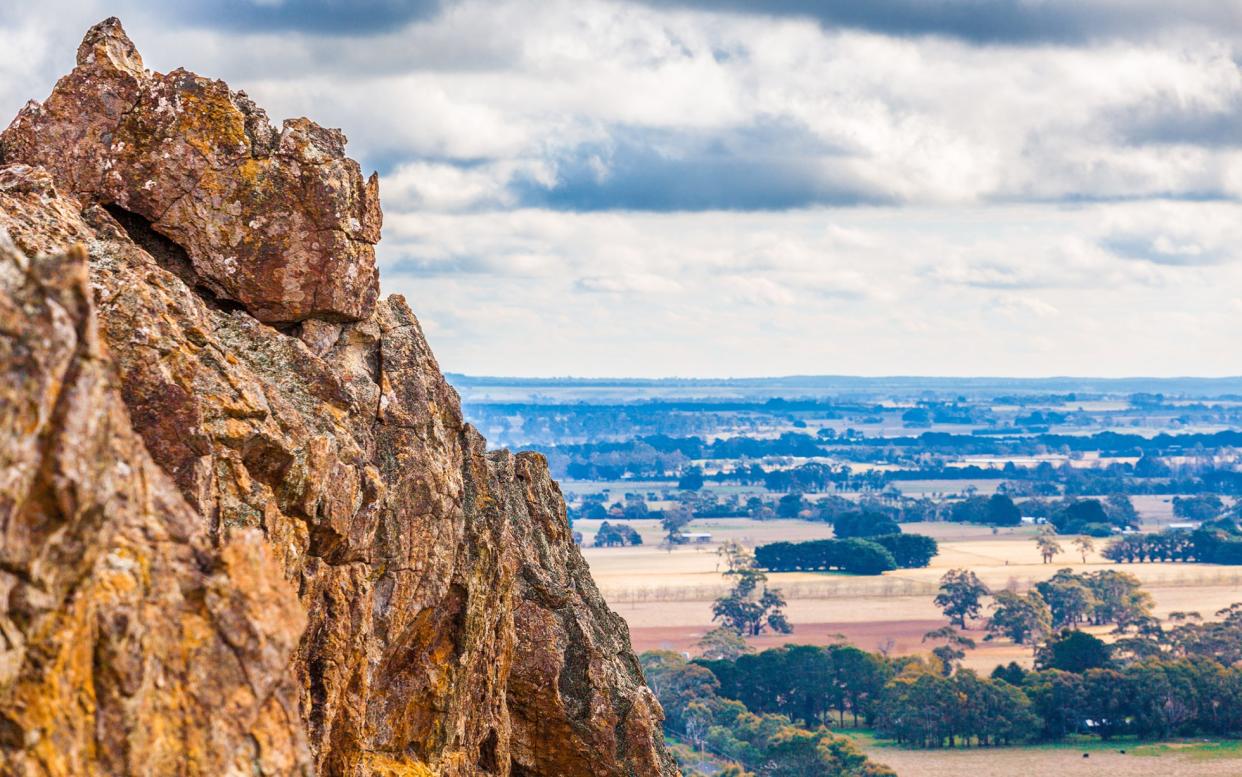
(1175, 386)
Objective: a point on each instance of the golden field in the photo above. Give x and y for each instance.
(666, 596)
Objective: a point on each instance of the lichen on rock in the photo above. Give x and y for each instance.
(231, 547)
(280, 222)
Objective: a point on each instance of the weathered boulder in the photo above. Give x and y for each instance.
(280, 222)
(399, 599)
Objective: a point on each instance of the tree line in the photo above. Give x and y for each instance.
(767, 743)
(1154, 680)
(856, 555)
(1214, 542)
(1067, 599)
(661, 457)
(1151, 683)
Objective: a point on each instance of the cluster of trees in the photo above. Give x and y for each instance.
(616, 534)
(946, 444)
(923, 708)
(813, 685)
(1152, 682)
(1070, 515)
(1190, 635)
(1214, 542)
(1155, 698)
(633, 508)
(1091, 517)
(1066, 599)
(764, 743)
(864, 523)
(1149, 699)
(1149, 475)
(869, 556)
(909, 699)
(874, 514)
(818, 477)
(665, 457)
(613, 461)
(995, 510)
(1203, 507)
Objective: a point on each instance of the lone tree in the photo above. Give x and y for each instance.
(1024, 619)
(723, 644)
(1048, 546)
(673, 522)
(952, 651)
(1069, 596)
(1084, 545)
(960, 594)
(1073, 651)
(736, 556)
(750, 606)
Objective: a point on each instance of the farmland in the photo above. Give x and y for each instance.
(676, 479)
(1185, 759)
(665, 595)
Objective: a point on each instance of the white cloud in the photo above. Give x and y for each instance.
(767, 293)
(1175, 233)
(627, 283)
(1048, 207)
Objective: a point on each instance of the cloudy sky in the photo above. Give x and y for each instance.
(590, 187)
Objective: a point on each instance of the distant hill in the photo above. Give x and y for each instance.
(842, 385)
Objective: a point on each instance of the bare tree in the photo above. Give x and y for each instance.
(1084, 545)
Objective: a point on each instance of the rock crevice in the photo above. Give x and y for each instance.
(245, 528)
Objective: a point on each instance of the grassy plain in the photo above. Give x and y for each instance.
(1191, 758)
(666, 596)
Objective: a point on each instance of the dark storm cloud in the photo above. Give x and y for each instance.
(997, 21)
(323, 17)
(975, 21)
(1169, 121)
(763, 167)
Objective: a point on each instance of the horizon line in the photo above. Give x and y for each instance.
(845, 376)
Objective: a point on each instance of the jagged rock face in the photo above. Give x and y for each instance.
(280, 222)
(347, 582)
(118, 612)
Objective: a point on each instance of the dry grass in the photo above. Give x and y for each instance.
(1181, 759)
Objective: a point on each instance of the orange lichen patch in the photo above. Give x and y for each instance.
(56, 708)
(207, 119)
(383, 765)
(251, 171)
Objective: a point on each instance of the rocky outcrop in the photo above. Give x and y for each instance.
(280, 222)
(246, 529)
(130, 643)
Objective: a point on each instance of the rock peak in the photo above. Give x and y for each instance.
(282, 224)
(107, 42)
